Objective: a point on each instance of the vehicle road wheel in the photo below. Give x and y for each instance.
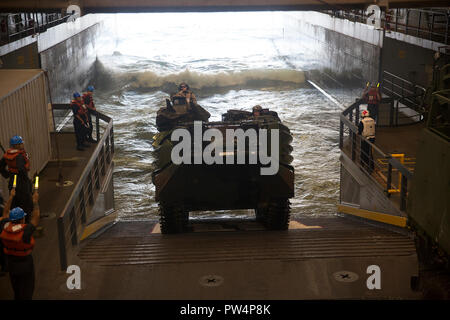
(173, 218)
(277, 214)
(260, 213)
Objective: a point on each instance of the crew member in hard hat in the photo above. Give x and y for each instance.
(18, 164)
(186, 93)
(256, 111)
(366, 128)
(18, 243)
(88, 101)
(372, 97)
(80, 120)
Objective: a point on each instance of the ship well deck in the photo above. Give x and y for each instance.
(317, 258)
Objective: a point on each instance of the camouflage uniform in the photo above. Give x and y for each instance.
(189, 95)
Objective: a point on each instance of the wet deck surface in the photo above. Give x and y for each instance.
(70, 167)
(233, 260)
(244, 261)
(307, 238)
(219, 259)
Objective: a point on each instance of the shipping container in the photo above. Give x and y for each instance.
(24, 111)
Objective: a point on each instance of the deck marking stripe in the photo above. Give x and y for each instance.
(372, 215)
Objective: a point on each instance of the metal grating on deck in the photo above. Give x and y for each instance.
(332, 240)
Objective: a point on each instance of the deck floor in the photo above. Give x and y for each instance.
(248, 262)
(70, 167)
(132, 260)
(219, 259)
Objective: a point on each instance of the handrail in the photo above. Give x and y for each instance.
(346, 120)
(395, 76)
(86, 171)
(405, 92)
(415, 86)
(33, 22)
(415, 28)
(397, 165)
(392, 21)
(354, 128)
(72, 219)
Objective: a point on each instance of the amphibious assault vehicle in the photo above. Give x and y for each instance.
(215, 176)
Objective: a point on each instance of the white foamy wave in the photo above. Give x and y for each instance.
(197, 80)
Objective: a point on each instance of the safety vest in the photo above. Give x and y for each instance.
(88, 100)
(82, 110)
(372, 96)
(11, 159)
(13, 244)
(368, 127)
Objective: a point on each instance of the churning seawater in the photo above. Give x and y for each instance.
(231, 61)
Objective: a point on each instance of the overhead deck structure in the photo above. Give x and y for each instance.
(109, 6)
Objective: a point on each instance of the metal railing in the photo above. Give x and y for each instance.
(406, 102)
(397, 87)
(431, 23)
(394, 113)
(352, 15)
(383, 169)
(78, 208)
(20, 25)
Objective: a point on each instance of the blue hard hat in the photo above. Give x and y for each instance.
(16, 214)
(16, 140)
(90, 89)
(76, 95)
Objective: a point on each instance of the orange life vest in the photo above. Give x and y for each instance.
(82, 110)
(372, 96)
(90, 105)
(12, 240)
(11, 156)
